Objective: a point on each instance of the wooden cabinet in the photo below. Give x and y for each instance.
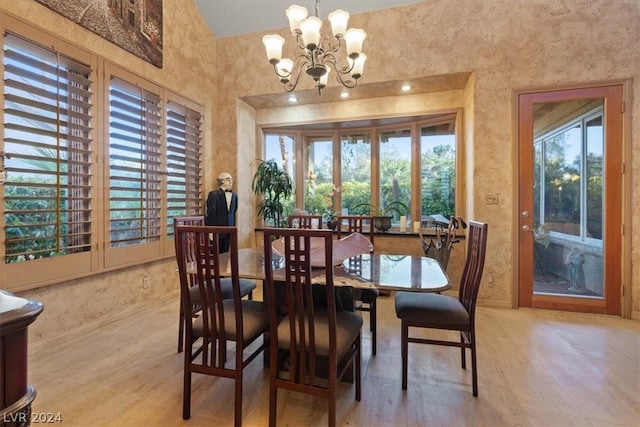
(16, 314)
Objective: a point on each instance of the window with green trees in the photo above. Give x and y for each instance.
(356, 170)
(566, 201)
(344, 169)
(318, 194)
(395, 167)
(47, 152)
(134, 164)
(438, 169)
(94, 163)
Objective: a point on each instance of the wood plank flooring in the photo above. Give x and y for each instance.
(536, 368)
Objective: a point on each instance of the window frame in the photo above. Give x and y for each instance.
(148, 245)
(580, 121)
(184, 162)
(100, 258)
(20, 275)
(299, 133)
(48, 127)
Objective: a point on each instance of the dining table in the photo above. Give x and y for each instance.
(363, 271)
(368, 270)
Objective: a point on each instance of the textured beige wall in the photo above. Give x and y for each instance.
(507, 45)
(190, 70)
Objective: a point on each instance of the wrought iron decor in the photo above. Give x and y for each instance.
(133, 25)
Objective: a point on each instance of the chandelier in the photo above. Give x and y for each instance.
(318, 52)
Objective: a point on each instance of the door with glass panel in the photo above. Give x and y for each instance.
(570, 199)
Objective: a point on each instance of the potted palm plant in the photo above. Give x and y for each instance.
(382, 216)
(275, 186)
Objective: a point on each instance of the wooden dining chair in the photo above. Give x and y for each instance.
(246, 286)
(221, 320)
(365, 299)
(301, 329)
(305, 221)
(439, 311)
(188, 255)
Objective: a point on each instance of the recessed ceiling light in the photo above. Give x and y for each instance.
(293, 98)
(406, 88)
(344, 95)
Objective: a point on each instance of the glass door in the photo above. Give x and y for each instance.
(570, 200)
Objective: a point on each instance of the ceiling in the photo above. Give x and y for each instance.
(228, 18)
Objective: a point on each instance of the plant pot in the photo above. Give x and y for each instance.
(382, 223)
(332, 224)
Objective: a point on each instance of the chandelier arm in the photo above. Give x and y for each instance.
(300, 43)
(280, 76)
(327, 44)
(290, 86)
(330, 58)
(348, 83)
(299, 62)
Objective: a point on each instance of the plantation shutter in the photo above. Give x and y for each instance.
(184, 164)
(134, 164)
(47, 144)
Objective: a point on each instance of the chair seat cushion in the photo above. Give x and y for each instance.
(368, 295)
(348, 325)
(431, 310)
(255, 320)
(246, 287)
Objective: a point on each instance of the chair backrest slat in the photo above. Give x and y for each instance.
(188, 250)
(305, 221)
(362, 224)
(474, 265)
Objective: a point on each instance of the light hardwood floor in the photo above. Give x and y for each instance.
(536, 368)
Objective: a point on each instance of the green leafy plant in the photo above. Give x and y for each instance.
(382, 216)
(396, 207)
(275, 186)
(330, 215)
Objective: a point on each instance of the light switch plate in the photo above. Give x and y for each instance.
(491, 199)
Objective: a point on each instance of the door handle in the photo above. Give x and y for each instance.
(527, 228)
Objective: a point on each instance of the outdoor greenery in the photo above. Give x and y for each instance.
(562, 187)
(27, 234)
(393, 209)
(35, 213)
(438, 191)
(438, 181)
(320, 199)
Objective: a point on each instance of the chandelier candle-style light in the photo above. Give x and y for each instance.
(318, 51)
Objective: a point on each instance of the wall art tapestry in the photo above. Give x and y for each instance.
(133, 25)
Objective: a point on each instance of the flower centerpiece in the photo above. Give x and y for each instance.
(319, 198)
(330, 216)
